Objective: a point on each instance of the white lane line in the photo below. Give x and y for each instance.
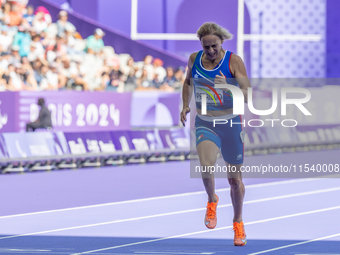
(172, 213)
(173, 252)
(160, 197)
(295, 244)
(205, 231)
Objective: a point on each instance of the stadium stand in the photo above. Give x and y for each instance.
(38, 54)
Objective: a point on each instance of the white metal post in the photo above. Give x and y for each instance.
(134, 8)
(240, 29)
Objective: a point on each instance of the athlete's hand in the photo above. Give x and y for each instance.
(184, 113)
(220, 79)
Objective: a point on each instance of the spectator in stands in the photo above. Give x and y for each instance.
(29, 16)
(4, 15)
(27, 65)
(115, 79)
(36, 49)
(44, 120)
(179, 77)
(3, 82)
(146, 66)
(26, 73)
(95, 42)
(15, 16)
(23, 40)
(102, 76)
(16, 76)
(69, 37)
(49, 79)
(159, 69)
(7, 76)
(143, 83)
(169, 81)
(57, 50)
(21, 4)
(63, 23)
(15, 56)
(4, 60)
(170, 76)
(130, 73)
(72, 73)
(61, 78)
(39, 23)
(5, 39)
(36, 65)
(64, 64)
(156, 82)
(45, 12)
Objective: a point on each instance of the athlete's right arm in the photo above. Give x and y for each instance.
(187, 90)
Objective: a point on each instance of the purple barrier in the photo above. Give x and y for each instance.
(155, 109)
(74, 111)
(96, 142)
(8, 111)
(110, 142)
(3, 147)
(25, 145)
(78, 111)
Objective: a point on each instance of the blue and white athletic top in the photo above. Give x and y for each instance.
(217, 99)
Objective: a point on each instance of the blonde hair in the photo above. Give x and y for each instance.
(211, 28)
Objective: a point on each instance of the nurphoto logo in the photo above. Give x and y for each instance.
(238, 105)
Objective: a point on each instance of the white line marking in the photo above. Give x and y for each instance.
(171, 213)
(173, 252)
(295, 244)
(216, 229)
(156, 198)
(167, 36)
(22, 250)
(283, 37)
(246, 37)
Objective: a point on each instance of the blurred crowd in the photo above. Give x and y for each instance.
(36, 54)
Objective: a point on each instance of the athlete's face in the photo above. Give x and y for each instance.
(212, 46)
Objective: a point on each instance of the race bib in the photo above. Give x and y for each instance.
(213, 97)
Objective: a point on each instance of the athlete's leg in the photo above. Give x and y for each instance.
(208, 145)
(237, 190)
(207, 152)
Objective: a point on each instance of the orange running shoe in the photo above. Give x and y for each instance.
(210, 219)
(240, 234)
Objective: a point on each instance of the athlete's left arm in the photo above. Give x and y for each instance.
(238, 70)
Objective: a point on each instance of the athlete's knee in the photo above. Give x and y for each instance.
(235, 183)
(207, 161)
